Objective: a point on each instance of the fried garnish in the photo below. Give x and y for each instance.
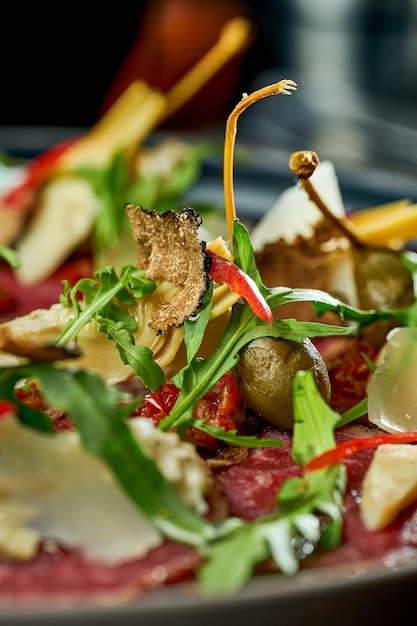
(169, 249)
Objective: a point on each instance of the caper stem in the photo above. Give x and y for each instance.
(343, 225)
(303, 164)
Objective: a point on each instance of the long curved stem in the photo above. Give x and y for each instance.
(283, 87)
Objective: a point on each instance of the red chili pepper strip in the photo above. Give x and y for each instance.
(224, 271)
(348, 448)
(6, 408)
(21, 196)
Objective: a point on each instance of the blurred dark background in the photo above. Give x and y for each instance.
(355, 62)
(58, 65)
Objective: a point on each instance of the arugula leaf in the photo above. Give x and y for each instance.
(194, 329)
(295, 522)
(351, 415)
(28, 415)
(409, 258)
(244, 254)
(406, 316)
(294, 331)
(85, 286)
(100, 298)
(361, 408)
(10, 256)
(164, 190)
(323, 302)
(233, 438)
(6, 159)
(140, 358)
(101, 423)
(232, 560)
(111, 185)
(314, 420)
(116, 185)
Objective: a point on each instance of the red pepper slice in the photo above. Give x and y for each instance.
(21, 196)
(6, 408)
(348, 448)
(224, 271)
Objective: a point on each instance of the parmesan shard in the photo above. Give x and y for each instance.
(51, 488)
(294, 214)
(390, 484)
(296, 246)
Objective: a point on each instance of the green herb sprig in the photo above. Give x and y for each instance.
(301, 502)
(101, 421)
(233, 547)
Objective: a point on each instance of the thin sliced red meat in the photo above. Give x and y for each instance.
(64, 576)
(17, 299)
(251, 487)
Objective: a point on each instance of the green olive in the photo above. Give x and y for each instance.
(382, 282)
(265, 375)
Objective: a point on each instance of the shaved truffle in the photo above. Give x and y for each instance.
(168, 248)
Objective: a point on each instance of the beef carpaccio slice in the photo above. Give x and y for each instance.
(245, 487)
(249, 488)
(63, 576)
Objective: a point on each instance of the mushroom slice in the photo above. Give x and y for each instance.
(169, 249)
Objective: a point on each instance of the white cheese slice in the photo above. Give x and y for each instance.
(294, 214)
(390, 484)
(51, 486)
(17, 541)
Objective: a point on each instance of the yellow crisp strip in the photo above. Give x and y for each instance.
(223, 300)
(394, 222)
(127, 123)
(140, 109)
(369, 215)
(219, 246)
(234, 38)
